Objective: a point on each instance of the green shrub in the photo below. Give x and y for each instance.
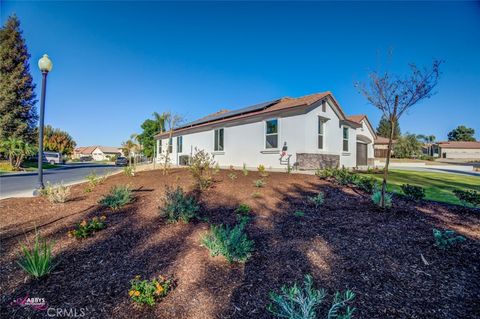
(468, 197)
(37, 260)
(245, 170)
(129, 171)
(341, 175)
(117, 197)
(413, 192)
(377, 198)
(149, 291)
(86, 229)
(93, 179)
(232, 176)
(303, 302)
(201, 169)
(317, 200)
(325, 173)
(366, 183)
(259, 183)
(262, 171)
(447, 238)
(178, 206)
(57, 193)
(232, 243)
(299, 213)
(243, 209)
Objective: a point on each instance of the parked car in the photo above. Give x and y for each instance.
(53, 158)
(86, 159)
(121, 161)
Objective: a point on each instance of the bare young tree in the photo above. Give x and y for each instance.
(394, 95)
(171, 121)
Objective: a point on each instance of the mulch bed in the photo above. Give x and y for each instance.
(346, 244)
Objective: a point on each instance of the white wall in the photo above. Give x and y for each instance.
(364, 130)
(245, 142)
(461, 153)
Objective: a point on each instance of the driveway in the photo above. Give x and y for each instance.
(23, 184)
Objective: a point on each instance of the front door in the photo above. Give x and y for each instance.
(361, 154)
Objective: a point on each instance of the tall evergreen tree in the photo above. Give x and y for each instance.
(18, 114)
(383, 128)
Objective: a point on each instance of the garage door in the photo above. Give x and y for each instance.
(361, 154)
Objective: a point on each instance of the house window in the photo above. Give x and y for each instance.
(170, 145)
(160, 146)
(321, 129)
(218, 143)
(271, 135)
(324, 106)
(345, 139)
(179, 144)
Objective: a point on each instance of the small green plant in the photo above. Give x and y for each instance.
(57, 193)
(88, 189)
(232, 176)
(201, 169)
(259, 183)
(37, 260)
(302, 302)
(446, 239)
(256, 195)
(299, 213)
(366, 183)
(325, 172)
(243, 209)
(262, 171)
(216, 169)
(88, 228)
(341, 175)
(149, 291)
(232, 243)
(413, 192)
(377, 198)
(119, 195)
(244, 169)
(178, 206)
(468, 197)
(317, 200)
(129, 171)
(93, 179)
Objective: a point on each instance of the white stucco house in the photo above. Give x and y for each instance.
(308, 132)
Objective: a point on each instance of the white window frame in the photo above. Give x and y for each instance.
(321, 124)
(180, 144)
(270, 134)
(170, 145)
(347, 139)
(215, 146)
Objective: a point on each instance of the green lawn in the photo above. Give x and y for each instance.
(27, 166)
(438, 186)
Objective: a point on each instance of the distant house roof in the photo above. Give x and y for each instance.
(87, 150)
(459, 144)
(285, 103)
(380, 140)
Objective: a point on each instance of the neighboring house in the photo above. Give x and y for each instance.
(98, 153)
(458, 150)
(308, 132)
(381, 147)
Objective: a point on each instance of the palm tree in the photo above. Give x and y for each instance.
(160, 119)
(128, 147)
(16, 150)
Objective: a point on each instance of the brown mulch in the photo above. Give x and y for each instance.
(346, 244)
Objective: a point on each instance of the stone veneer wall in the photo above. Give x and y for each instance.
(314, 161)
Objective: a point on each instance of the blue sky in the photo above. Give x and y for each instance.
(117, 62)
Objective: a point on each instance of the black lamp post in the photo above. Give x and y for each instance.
(45, 65)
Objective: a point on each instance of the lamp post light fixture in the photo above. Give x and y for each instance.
(45, 65)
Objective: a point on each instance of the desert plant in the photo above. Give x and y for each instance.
(377, 198)
(317, 200)
(413, 192)
(468, 197)
(178, 205)
(366, 183)
(201, 169)
(262, 171)
(446, 239)
(37, 260)
(243, 209)
(244, 169)
(119, 195)
(129, 171)
(232, 176)
(149, 291)
(232, 243)
(57, 193)
(93, 179)
(86, 229)
(297, 302)
(216, 168)
(256, 195)
(299, 213)
(259, 183)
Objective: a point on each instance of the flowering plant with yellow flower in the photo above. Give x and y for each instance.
(86, 228)
(149, 291)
